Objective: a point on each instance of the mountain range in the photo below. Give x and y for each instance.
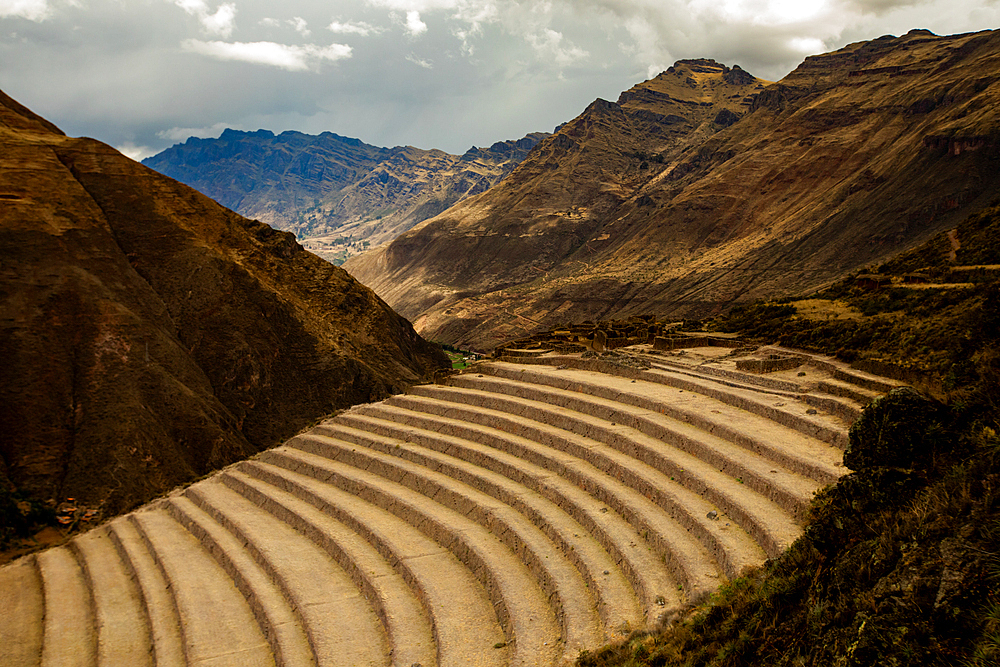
(704, 187)
(150, 335)
(338, 195)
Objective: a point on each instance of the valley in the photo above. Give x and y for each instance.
(707, 376)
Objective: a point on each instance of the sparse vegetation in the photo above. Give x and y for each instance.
(457, 360)
(643, 156)
(457, 356)
(938, 333)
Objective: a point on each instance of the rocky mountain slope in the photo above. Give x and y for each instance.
(150, 335)
(340, 193)
(704, 187)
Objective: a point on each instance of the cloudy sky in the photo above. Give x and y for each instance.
(142, 75)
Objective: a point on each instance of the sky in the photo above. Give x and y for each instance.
(142, 75)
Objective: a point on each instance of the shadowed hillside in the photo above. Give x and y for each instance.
(151, 336)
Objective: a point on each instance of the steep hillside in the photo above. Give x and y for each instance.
(340, 193)
(702, 187)
(150, 335)
(900, 564)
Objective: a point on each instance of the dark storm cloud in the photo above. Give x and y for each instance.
(142, 74)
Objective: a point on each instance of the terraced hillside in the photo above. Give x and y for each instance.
(526, 510)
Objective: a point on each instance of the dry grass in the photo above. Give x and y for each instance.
(825, 309)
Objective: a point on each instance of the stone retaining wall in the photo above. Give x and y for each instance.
(770, 365)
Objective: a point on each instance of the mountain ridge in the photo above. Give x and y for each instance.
(337, 192)
(897, 132)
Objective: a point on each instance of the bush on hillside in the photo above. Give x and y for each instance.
(901, 429)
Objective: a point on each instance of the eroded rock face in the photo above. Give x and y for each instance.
(660, 204)
(150, 335)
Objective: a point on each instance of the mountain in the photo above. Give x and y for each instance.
(151, 335)
(704, 187)
(339, 193)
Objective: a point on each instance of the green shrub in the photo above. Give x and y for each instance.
(901, 429)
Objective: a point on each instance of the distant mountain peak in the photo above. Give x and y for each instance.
(338, 194)
(230, 133)
(706, 65)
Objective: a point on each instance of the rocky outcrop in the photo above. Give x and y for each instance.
(664, 204)
(151, 335)
(338, 192)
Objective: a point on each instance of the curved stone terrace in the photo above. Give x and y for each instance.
(515, 514)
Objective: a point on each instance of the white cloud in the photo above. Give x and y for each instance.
(301, 25)
(531, 21)
(475, 17)
(284, 56)
(879, 7)
(414, 25)
(474, 13)
(33, 10)
(221, 23)
(114, 69)
(806, 45)
(770, 12)
(353, 28)
(137, 153)
(768, 36)
(465, 36)
(646, 46)
(419, 61)
(549, 44)
(176, 134)
(425, 5)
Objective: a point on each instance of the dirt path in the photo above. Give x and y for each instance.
(955, 245)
